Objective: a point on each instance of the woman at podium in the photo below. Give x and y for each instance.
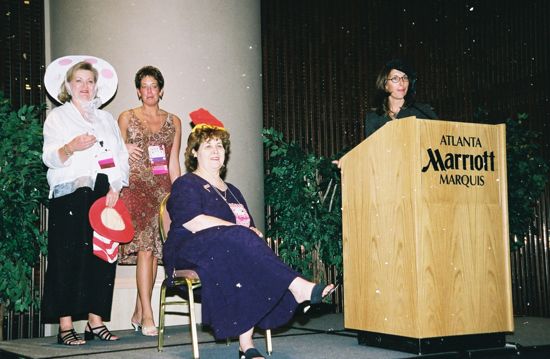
(395, 90)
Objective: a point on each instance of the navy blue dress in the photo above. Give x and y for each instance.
(244, 284)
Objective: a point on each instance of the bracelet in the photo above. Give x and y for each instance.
(68, 153)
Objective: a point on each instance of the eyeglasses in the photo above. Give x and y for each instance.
(396, 79)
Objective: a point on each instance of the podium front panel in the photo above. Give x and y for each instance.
(464, 270)
(426, 230)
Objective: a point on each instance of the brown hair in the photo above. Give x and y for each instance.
(149, 71)
(381, 94)
(203, 134)
(64, 95)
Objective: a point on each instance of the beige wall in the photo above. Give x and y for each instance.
(210, 55)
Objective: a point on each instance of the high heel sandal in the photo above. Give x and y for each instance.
(149, 331)
(250, 353)
(136, 326)
(317, 295)
(101, 332)
(71, 338)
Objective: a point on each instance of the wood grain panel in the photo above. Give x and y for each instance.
(378, 228)
(425, 258)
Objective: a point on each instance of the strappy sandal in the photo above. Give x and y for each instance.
(250, 353)
(317, 295)
(69, 337)
(101, 332)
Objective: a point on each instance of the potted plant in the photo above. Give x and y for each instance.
(23, 189)
(302, 192)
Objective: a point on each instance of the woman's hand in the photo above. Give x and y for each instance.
(257, 231)
(111, 198)
(134, 151)
(81, 142)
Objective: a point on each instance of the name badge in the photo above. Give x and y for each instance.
(105, 159)
(157, 157)
(241, 215)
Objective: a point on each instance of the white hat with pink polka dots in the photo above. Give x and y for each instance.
(107, 81)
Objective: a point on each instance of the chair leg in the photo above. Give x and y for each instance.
(160, 342)
(268, 344)
(193, 324)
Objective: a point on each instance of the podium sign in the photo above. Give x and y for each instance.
(425, 235)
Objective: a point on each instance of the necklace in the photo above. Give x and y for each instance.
(224, 195)
(210, 178)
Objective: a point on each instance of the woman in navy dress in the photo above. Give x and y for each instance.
(244, 284)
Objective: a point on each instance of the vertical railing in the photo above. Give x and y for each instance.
(531, 266)
(28, 324)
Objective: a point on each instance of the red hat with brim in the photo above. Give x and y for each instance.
(203, 118)
(113, 223)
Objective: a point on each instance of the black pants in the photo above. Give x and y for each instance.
(77, 282)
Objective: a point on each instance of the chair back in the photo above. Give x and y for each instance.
(164, 219)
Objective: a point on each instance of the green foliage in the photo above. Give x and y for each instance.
(23, 187)
(303, 194)
(527, 175)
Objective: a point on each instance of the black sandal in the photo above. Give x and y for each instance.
(250, 353)
(101, 332)
(71, 338)
(317, 295)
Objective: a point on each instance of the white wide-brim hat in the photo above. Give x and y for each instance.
(56, 71)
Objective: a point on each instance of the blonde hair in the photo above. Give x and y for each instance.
(64, 94)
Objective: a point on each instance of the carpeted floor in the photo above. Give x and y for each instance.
(314, 337)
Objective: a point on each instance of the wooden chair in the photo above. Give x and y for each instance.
(189, 279)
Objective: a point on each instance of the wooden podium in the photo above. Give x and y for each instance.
(425, 237)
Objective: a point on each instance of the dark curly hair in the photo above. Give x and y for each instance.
(149, 71)
(203, 134)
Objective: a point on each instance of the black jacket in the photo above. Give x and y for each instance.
(420, 110)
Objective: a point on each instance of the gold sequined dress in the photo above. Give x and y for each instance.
(146, 190)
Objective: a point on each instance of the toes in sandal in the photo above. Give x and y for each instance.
(250, 353)
(317, 295)
(317, 292)
(69, 337)
(101, 332)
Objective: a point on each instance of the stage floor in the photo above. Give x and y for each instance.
(312, 337)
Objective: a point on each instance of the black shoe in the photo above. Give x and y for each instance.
(317, 295)
(101, 332)
(69, 337)
(250, 353)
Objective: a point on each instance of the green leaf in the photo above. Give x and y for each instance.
(295, 183)
(23, 189)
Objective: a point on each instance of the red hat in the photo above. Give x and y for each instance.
(104, 248)
(112, 226)
(113, 223)
(202, 118)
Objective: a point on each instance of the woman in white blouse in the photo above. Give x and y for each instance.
(86, 159)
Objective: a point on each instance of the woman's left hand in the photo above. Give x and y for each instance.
(257, 231)
(112, 197)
